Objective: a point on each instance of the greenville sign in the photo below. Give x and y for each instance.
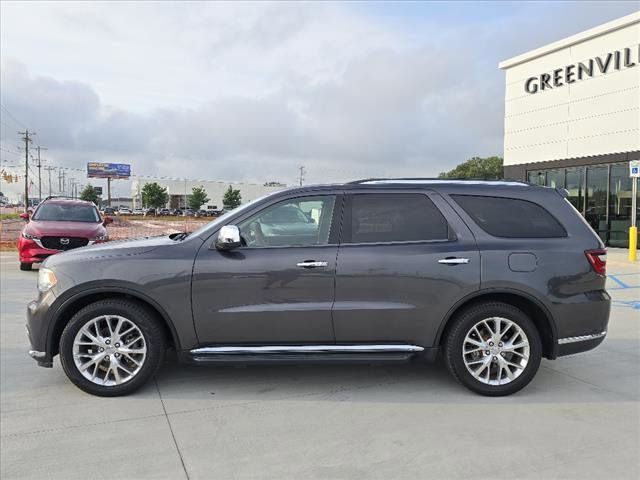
(618, 60)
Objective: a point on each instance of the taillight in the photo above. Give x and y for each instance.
(598, 260)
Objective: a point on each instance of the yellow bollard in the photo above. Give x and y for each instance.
(633, 243)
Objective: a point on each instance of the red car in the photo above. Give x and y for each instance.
(59, 224)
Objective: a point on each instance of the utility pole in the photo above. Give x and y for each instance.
(38, 148)
(302, 172)
(108, 191)
(27, 140)
(48, 168)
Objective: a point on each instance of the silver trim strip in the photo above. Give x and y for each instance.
(248, 349)
(581, 338)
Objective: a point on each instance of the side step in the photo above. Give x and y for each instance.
(305, 354)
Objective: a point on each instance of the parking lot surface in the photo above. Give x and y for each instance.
(579, 418)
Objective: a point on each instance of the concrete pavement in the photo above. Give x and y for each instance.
(579, 418)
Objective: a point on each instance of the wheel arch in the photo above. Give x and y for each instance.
(532, 307)
(70, 306)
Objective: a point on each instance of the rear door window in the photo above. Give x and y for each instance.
(510, 217)
(391, 217)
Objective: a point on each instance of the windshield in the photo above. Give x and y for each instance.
(222, 219)
(66, 213)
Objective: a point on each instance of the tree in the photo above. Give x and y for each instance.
(153, 195)
(489, 168)
(231, 199)
(197, 198)
(89, 194)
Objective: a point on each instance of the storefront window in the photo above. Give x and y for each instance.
(574, 178)
(596, 200)
(555, 178)
(619, 205)
(537, 177)
(601, 193)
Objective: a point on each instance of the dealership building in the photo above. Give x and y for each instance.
(572, 120)
(179, 190)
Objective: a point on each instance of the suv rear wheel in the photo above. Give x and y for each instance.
(111, 347)
(493, 349)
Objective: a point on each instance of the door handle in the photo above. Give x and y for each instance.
(453, 261)
(311, 264)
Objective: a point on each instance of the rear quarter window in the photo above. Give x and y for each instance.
(510, 217)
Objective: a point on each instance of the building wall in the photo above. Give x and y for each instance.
(597, 115)
(215, 190)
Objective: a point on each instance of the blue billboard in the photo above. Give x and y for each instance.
(108, 170)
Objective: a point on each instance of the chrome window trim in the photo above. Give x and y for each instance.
(248, 349)
(581, 338)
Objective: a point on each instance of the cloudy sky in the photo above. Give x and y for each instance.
(250, 91)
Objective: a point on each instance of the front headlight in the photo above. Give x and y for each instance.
(46, 279)
(30, 237)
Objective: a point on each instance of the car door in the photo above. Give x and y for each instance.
(279, 286)
(405, 259)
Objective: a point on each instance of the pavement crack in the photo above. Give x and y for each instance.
(173, 436)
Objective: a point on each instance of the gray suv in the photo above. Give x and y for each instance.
(492, 276)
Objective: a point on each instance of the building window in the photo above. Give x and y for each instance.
(574, 185)
(537, 177)
(601, 193)
(619, 205)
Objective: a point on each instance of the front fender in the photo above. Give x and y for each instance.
(63, 307)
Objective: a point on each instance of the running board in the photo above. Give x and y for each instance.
(305, 353)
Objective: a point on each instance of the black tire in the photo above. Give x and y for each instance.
(463, 324)
(135, 313)
(25, 267)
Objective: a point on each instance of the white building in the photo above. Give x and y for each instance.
(179, 190)
(572, 120)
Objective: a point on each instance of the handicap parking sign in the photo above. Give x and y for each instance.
(634, 168)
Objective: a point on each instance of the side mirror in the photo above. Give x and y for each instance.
(24, 216)
(107, 220)
(228, 238)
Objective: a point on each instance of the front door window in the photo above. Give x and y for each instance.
(297, 222)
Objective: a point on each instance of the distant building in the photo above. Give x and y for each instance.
(179, 191)
(572, 120)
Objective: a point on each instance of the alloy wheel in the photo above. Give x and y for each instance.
(109, 350)
(495, 351)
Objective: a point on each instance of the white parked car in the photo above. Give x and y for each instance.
(137, 211)
(124, 211)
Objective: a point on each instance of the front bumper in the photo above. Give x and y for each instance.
(30, 252)
(37, 328)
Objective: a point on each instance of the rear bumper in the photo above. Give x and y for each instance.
(582, 322)
(583, 343)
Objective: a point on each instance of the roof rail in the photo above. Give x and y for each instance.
(436, 179)
(59, 196)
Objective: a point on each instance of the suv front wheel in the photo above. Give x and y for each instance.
(111, 347)
(493, 349)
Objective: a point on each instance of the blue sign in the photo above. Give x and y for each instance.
(108, 170)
